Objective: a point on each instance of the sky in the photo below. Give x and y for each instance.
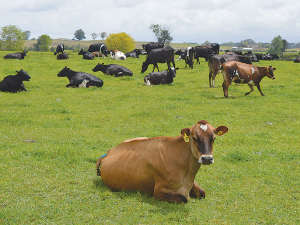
(197, 21)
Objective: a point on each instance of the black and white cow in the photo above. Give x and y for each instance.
(14, 83)
(189, 55)
(159, 55)
(88, 56)
(63, 55)
(164, 77)
(113, 69)
(77, 78)
(59, 49)
(18, 55)
(135, 53)
(98, 47)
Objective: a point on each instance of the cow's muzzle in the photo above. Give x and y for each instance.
(206, 159)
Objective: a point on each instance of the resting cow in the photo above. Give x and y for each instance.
(77, 78)
(113, 69)
(59, 49)
(117, 55)
(135, 53)
(159, 55)
(215, 62)
(88, 56)
(243, 73)
(18, 55)
(297, 59)
(164, 77)
(62, 56)
(162, 166)
(14, 83)
(82, 52)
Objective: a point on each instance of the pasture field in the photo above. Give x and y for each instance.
(254, 180)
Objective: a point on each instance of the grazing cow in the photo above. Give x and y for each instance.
(159, 55)
(98, 47)
(135, 53)
(117, 55)
(165, 167)
(164, 77)
(77, 78)
(297, 59)
(189, 57)
(82, 52)
(88, 56)
(113, 69)
(244, 73)
(148, 47)
(18, 55)
(203, 52)
(215, 62)
(14, 83)
(63, 55)
(59, 49)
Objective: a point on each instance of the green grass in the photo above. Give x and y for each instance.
(254, 180)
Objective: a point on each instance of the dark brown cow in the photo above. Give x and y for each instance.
(203, 52)
(215, 62)
(243, 73)
(159, 55)
(162, 166)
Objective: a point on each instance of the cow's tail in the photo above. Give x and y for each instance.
(98, 163)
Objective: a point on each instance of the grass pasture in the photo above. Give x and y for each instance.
(254, 180)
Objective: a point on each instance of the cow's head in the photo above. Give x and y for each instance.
(98, 67)
(24, 76)
(64, 72)
(201, 138)
(269, 72)
(172, 70)
(144, 67)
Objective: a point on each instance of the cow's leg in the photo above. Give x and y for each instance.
(225, 89)
(197, 191)
(169, 196)
(258, 87)
(252, 89)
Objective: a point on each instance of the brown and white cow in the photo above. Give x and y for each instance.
(244, 73)
(162, 166)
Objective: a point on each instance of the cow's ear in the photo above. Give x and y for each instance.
(186, 133)
(221, 130)
(17, 71)
(177, 68)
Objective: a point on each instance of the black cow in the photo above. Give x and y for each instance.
(159, 55)
(215, 47)
(18, 55)
(98, 47)
(63, 55)
(113, 69)
(88, 56)
(148, 47)
(14, 83)
(252, 56)
(215, 62)
(297, 59)
(82, 52)
(164, 77)
(77, 78)
(135, 53)
(59, 49)
(203, 52)
(270, 56)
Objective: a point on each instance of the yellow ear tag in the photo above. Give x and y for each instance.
(220, 132)
(186, 138)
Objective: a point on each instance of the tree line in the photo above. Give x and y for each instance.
(13, 38)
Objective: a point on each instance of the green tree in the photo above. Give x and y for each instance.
(12, 38)
(43, 43)
(276, 46)
(79, 34)
(120, 41)
(285, 45)
(103, 35)
(162, 33)
(94, 36)
(27, 34)
(244, 44)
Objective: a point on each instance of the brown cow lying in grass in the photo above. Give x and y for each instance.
(245, 74)
(162, 166)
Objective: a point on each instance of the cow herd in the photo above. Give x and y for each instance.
(156, 53)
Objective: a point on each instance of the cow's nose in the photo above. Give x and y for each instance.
(206, 159)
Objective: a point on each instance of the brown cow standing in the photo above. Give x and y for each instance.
(162, 166)
(244, 73)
